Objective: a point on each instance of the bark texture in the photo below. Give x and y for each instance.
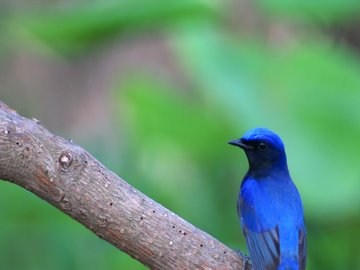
(69, 178)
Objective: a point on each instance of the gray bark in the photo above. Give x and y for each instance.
(65, 175)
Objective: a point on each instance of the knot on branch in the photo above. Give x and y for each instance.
(65, 160)
(70, 163)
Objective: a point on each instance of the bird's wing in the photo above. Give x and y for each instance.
(264, 248)
(260, 230)
(302, 249)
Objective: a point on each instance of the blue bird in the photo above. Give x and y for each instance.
(269, 205)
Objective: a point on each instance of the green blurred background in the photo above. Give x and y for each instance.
(155, 89)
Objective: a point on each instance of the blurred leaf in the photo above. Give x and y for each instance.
(222, 71)
(81, 27)
(164, 117)
(318, 11)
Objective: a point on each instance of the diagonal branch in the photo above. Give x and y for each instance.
(68, 177)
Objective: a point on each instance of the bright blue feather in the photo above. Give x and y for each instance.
(269, 205)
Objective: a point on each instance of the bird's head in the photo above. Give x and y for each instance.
(264, 149)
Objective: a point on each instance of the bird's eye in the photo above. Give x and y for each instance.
(262, 146)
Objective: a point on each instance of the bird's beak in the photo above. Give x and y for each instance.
(241, 144)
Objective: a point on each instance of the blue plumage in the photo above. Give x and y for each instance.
(269, 205)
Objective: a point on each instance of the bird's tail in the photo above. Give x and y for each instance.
(289, 264)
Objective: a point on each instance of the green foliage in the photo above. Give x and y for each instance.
(75, 29)
(173, 138)
(319, 11)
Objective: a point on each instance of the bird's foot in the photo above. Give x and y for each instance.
(244, 257)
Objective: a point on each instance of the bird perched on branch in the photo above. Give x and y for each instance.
(269, 205)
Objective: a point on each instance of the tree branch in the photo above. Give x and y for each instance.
(68, 177)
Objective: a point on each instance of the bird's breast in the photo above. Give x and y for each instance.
(263, 204)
